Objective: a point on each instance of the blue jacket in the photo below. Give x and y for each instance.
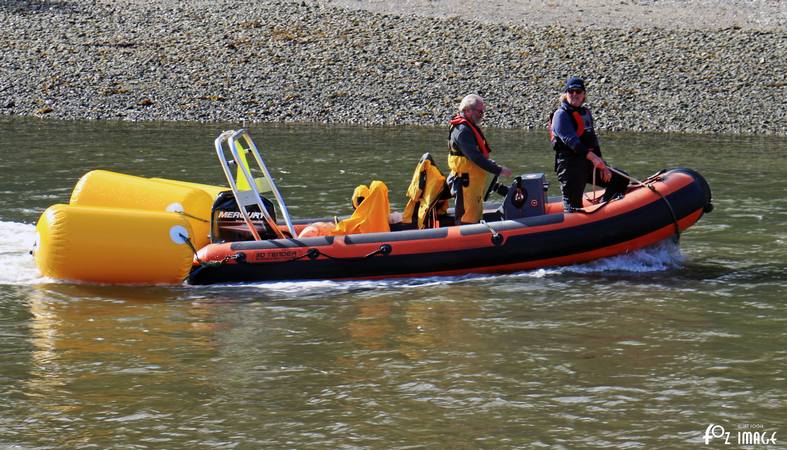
(569, 137)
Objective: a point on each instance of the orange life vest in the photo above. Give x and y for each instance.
(577, 120)
(479, 136)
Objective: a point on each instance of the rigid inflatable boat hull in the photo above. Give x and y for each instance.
(641, 219)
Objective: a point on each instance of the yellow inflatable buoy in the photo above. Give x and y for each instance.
(113, 245)
(102, 188)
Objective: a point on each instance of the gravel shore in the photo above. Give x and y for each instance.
(671, 66)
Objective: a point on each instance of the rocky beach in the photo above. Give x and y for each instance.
(657, 66)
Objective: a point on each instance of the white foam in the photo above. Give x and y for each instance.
(659, 257)
(662, 256)
(16, 264)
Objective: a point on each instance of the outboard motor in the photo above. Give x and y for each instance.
(526, 197)
(227, 224)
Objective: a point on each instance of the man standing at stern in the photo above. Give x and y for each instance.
(468, 159)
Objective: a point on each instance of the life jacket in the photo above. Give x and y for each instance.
(479, 136)
(587, 138)
(372, 213)
(425, 194)
(359, 194)
(579, 123)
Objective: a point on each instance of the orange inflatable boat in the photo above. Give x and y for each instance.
(525, 232)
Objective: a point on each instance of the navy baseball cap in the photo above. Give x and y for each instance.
(574, 83)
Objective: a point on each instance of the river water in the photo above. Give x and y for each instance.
(639, 351)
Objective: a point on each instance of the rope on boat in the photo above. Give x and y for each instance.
(593, 175)
(188, 242)
(497, 238)
(594, 199)
(204, 264)
(191, 216)
(650, 186)
(313, 253)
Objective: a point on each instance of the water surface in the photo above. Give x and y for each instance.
(637, 351)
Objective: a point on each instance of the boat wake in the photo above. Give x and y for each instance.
(662, 256)
(17, 266)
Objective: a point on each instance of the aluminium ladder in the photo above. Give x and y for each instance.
(239, 144)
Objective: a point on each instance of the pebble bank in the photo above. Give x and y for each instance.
(284, 61)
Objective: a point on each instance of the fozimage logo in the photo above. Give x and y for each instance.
(746, 434)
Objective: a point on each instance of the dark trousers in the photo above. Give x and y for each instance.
(575, 172)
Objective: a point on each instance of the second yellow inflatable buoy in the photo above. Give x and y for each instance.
(102, 188)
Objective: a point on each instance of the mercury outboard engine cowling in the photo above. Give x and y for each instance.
(227, 224)
(526, 197)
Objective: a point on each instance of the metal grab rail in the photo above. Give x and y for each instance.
(250, 197)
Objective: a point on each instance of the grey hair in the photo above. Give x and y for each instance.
(470, 101)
